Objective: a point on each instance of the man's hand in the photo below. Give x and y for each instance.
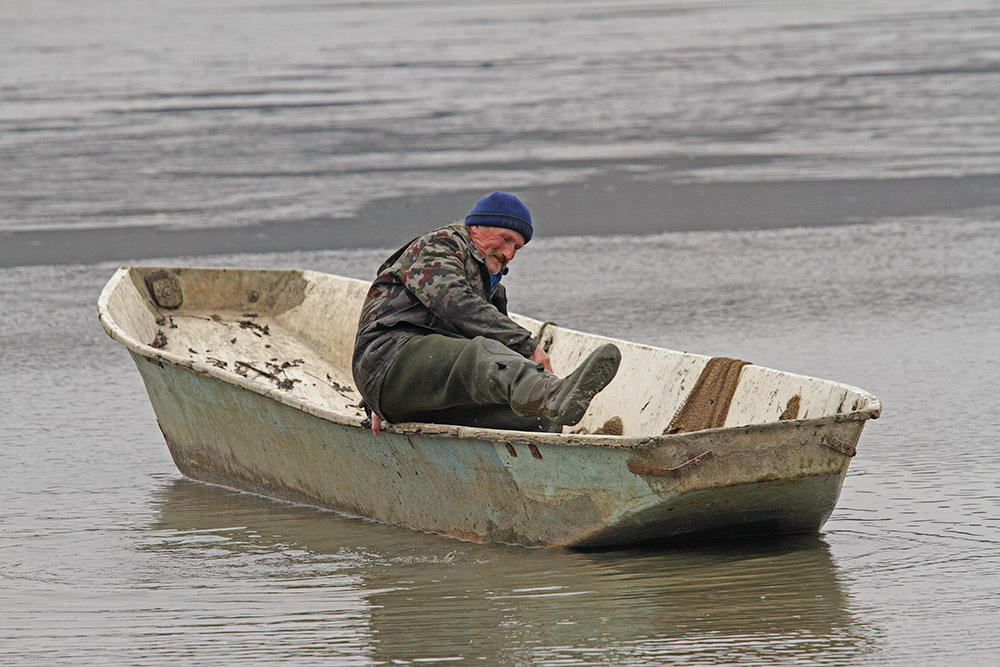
(540, 356)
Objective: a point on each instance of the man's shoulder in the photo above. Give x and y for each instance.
(456, 230)
(448, 239)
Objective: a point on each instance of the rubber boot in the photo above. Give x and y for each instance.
(565, 400)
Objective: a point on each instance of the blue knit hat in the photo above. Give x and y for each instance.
(502, 210)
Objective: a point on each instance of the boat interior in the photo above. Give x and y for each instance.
(290, 334)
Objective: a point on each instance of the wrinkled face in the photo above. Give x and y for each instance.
(498, 245)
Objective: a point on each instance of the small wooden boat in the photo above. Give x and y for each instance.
(248, 372)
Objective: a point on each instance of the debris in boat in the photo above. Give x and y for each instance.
(160, 340)
(217, 318)
(243, 366)
(274, 373)
(233, 341)
(166, 320)
(345, 389)
(280, 368)
(250, 315)
(613, 426)
(192, 351)
(791, 408)
(218, 363)
(255, 328)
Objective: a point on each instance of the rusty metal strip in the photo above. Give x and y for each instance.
(708, 403)
(534, 451)
(660, 471)
(838, 445)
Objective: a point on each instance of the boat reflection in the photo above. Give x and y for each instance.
(430, 598)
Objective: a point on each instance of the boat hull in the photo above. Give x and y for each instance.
(777, 478)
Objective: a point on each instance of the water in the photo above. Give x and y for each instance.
(109, 554)
(187, 116)
(313, 117)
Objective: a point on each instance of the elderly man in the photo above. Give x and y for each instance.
(435, 344)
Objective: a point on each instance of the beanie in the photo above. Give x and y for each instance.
(502, 210)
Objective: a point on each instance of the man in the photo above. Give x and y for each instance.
(435, 344)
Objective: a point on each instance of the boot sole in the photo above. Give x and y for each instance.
(593, 375)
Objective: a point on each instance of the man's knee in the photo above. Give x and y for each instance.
(435, 372)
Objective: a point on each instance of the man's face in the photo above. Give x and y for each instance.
(498, 245)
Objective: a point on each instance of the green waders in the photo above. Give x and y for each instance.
(467, 382)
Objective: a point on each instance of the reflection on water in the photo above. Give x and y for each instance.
(352, 588)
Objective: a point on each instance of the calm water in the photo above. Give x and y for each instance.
(117, 115)
(109, 554)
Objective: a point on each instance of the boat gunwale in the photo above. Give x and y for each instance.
(871, 407)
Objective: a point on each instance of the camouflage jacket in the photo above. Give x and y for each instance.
(437, 283)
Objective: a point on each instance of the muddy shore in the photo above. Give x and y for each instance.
(612, 203)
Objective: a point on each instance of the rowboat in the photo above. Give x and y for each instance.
(248, 373)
